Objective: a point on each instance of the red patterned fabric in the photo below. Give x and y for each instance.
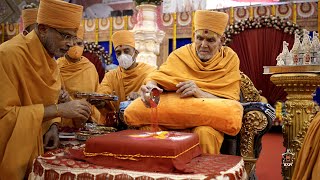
(162, 151)
(58, 165)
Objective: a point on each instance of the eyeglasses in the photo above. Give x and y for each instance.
(67, 37)
(79, 42)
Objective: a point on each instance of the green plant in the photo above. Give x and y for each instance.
(155, 2)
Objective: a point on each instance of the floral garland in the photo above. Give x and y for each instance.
(97, 49)
(155, 2)
(259, 22)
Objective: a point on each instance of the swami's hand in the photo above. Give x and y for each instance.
(189, 88)
(132, 96)
(97, 103)
(51, 138)
(76, 109)
(145, 91)
(64, 96)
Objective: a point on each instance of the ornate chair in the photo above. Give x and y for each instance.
(257, 120)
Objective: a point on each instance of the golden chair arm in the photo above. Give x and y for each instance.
(248, 92)
(254, 122)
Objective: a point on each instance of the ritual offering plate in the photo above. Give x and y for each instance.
(93, 130)
(95, 97)
(163, 151)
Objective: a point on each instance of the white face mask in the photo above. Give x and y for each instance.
(125, 60)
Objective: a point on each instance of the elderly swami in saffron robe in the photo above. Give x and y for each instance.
(199, 74)
(30, 87)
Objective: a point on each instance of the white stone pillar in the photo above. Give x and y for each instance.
(147, 34)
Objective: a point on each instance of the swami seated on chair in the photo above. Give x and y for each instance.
(200, 85)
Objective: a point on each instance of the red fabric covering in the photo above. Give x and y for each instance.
(157, 147)
(96, 62)
(57, 164)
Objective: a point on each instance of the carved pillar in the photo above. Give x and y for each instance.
(299, 82)
(147, 34)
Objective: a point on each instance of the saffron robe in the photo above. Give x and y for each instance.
(30, 80)
(308, 163)
(219, 76)
(81, 76)
(121, 82)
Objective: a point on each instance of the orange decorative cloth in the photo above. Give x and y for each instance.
(59, 14)
(29, 17)
(161, 151)
(212, 20)
(123, 37)
(223, 115)
(30, 80)
(307, 165)
(79, 77)
(122, 82)
(219, 76)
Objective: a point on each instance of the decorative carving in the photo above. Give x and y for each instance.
(315, 48)
(300, 109)
(306, 108)
(253, 122)
(147, 34)
(248, 91)
(285, 57)
(302, 53)
(299, 86)
(296, 49)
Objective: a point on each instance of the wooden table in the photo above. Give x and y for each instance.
(299, 82)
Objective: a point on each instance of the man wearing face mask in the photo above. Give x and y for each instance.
(30, 86)
(203, 69)
(126, 80)
(78, 75)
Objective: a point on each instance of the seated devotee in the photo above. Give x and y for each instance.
(31, 85)
(203, 69)
(308, 162)
(29, 19)
(78, 75)
(126, 80)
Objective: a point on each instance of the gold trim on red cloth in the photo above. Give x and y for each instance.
(134, 157)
